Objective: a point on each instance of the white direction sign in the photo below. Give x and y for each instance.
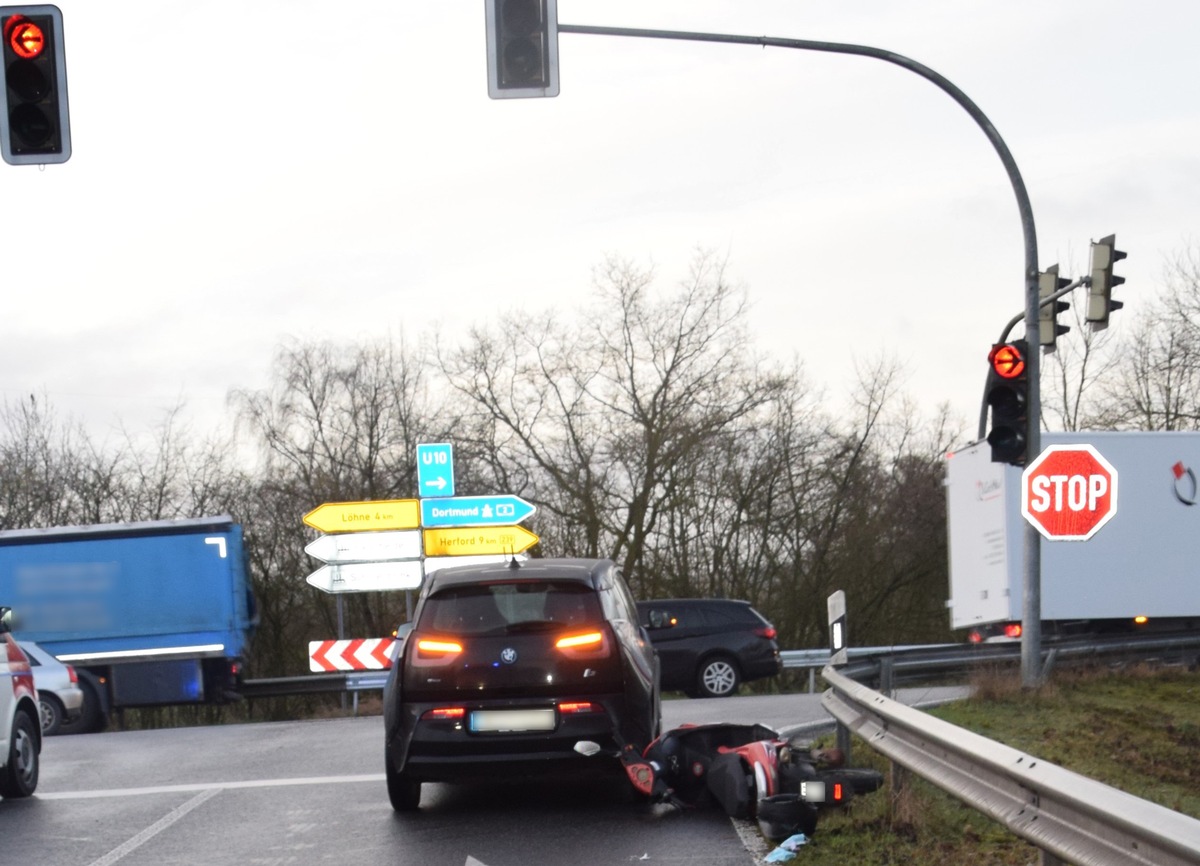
(433, 563)
(367, 546)
(368, 576)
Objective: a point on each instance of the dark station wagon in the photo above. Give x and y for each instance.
(707, 646)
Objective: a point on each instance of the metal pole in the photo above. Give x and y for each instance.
(1031, 630)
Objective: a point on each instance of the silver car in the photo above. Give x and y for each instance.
(60, 699)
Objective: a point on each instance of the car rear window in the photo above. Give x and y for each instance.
(496, 608)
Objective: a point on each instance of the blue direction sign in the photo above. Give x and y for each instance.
(435, 470)
(503, 510)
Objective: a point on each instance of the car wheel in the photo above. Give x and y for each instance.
(20, 777)
(718, 677)
(51, 710)
(404, 793)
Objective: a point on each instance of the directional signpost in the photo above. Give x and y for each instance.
(435, 469)
(478, 540)
(368, 576)
(367, 546)
(503, 510)
(363, 516)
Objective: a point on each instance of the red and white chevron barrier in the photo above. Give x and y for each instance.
(363, 654)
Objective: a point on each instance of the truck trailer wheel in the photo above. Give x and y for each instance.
(20, 777)
(92, 718)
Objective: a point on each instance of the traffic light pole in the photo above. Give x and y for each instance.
(1031, 631)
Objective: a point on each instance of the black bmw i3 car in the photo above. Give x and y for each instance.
(537, 667)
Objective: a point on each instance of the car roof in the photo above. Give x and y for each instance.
(586, 571)
(695, 601)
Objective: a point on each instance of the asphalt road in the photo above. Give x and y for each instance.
(313, 792)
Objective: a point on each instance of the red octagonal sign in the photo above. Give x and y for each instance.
(1068, 492)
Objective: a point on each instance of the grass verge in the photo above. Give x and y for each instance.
(1136, 729)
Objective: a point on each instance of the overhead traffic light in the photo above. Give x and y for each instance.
(34, 125)
(1008, 397)
(1100, 303)
(1049, 330)
(522, 48)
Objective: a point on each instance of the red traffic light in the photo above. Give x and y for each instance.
(1007, 360)
(24, 37)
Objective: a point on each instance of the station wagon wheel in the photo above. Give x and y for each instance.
(20, 777)
(51, 710)
(718, 677)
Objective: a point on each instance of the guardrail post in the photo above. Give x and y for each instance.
(812, 681)
(899, 775)
(843, 740)
(885, 677)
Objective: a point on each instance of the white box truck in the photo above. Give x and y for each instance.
(1140, 571)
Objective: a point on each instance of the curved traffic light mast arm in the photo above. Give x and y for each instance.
(1031, 638)
(1010, 166)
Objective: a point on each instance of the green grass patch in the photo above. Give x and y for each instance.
(1136, 729)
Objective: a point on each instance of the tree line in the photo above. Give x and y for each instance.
(644, 426)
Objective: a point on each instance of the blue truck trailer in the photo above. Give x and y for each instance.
(150, 614)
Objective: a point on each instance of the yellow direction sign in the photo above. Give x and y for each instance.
(466, 540)
(363, 516)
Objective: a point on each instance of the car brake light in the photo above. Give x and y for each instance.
(575, 708)
(1013, 629)
(444, 713)
(71, 673)
(838, 793)
(766, 631)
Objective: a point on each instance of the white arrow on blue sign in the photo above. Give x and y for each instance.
(435, 469)
(502, 510)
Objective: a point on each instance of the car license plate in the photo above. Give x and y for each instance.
(512, 720)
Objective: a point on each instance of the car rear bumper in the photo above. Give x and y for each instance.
(428, 749)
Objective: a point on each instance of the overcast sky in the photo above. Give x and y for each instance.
(247, 172)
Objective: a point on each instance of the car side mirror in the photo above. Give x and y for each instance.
(6, 620)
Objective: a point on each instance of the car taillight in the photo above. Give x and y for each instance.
(444, 713)
(584, 644)
(767, 631)
(71, 673)
(576, 708)
(1013, 629)
(436, 650)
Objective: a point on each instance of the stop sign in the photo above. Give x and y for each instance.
(1068, 492)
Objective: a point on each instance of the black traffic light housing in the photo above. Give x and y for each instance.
(522, 48)
(34, 125)
(1100, 303)
(1049, 330)
(1008, 397)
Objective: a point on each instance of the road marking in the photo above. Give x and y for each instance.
(207, 786)
(154, 829)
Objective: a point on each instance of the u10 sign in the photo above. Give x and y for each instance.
(1068, 492)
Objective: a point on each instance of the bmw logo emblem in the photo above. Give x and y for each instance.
(508, 655)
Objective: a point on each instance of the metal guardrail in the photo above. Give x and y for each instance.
(886, 664)
(1071, 818)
